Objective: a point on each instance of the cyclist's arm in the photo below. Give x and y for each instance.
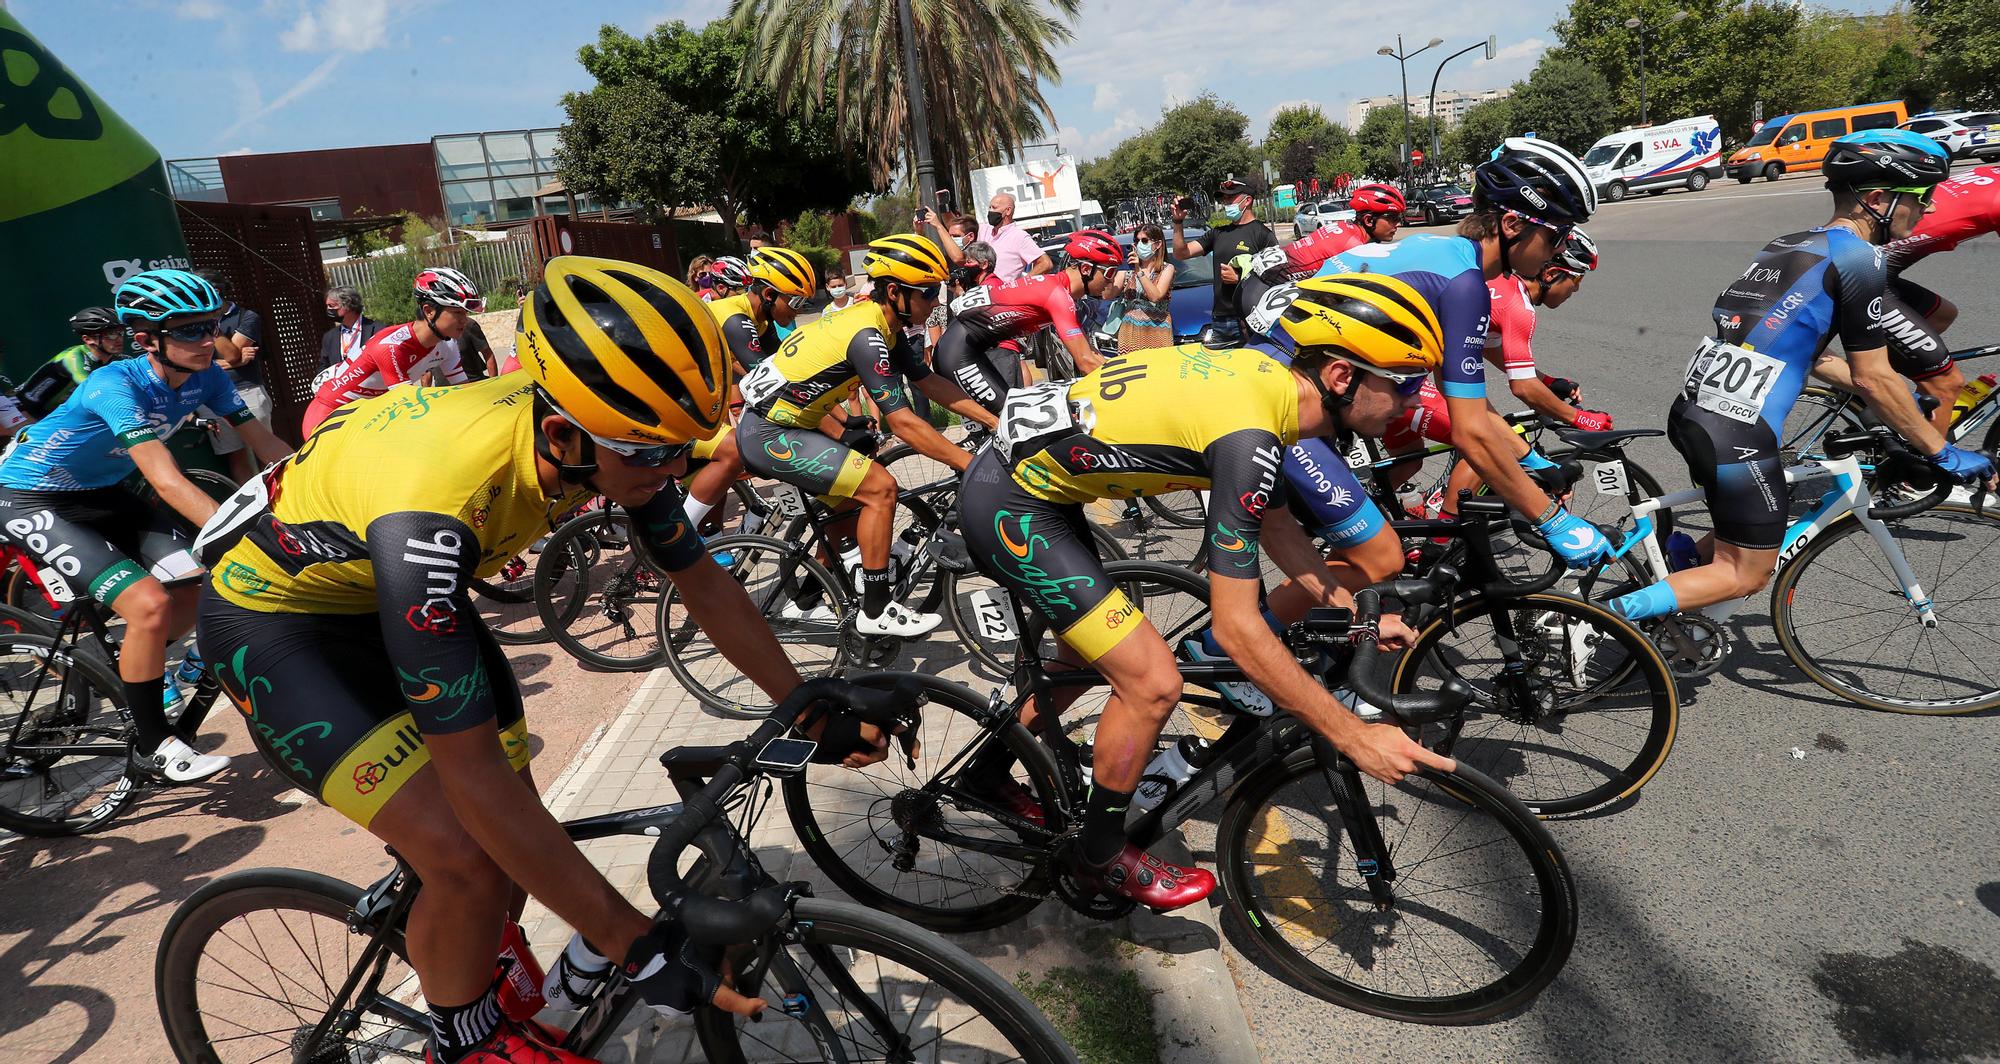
(1858, 280)
(1533, 392)
(1062, 317)
(953, 398)
(1888, 395)
(741, 335)
(157, 465)
(423, 564)
(264, 443)
(1481, 435)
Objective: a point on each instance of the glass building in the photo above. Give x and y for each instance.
(493, 177)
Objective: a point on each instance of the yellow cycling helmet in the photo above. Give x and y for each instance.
(1373, 317)
(624, 351)
(785, 270)
(906, 258)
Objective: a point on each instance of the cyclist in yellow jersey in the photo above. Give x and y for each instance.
(781, 280)
(339, 620)
(1168, 420)
(785, 435)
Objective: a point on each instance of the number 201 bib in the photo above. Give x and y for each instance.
(1731, 381)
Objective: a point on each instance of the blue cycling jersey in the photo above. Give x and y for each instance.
(1801, 291)
(83, 444)
(1448, 272)
(1325, 494)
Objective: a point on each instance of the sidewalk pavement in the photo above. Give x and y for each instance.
(1198, 1017)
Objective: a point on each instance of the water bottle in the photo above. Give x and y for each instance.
(521, 976)
(901, 549)
(576, 976)
(1681, 552)
(1972, 392)
(1168, 770)
(850, 562)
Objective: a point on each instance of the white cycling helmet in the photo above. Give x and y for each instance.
(442, 286)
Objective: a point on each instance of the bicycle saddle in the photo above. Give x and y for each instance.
(1597, 441)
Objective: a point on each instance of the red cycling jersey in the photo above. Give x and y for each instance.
(1308, 253)
(389, 358)
(1512, 329)
(1968, 206)
(1017, 308)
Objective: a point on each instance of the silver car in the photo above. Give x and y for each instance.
(1310, 216)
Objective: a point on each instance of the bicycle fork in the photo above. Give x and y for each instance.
(1371, 854)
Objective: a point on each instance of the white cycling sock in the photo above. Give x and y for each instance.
(696, 510)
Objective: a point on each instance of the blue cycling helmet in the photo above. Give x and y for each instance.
(156, 295)
(1886, 158)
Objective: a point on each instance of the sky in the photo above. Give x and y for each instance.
(217, 77)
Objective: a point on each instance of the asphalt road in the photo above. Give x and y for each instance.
(1752, 904)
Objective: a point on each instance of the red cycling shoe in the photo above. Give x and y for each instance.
(1010, 795)
(510, 1043)
(1154, 883)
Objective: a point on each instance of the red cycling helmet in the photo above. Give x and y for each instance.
(1377, 199)
(1095, 247)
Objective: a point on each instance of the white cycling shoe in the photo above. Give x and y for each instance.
(1245, 696)
(820, 613)
(897, 620)
(177, 762)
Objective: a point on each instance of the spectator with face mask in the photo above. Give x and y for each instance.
(844, 291)
(350, 330)
(699, 278)
(1015, 252)
(1148, 323)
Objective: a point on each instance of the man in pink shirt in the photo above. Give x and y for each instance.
(1014, 251)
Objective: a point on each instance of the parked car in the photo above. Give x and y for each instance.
(1684, 154)
(1792, 143)
(1985, 126)
(1311, 216)
(1437, 204)
(1963, 133)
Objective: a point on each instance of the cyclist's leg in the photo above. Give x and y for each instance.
(1917, 351)
(967, 364)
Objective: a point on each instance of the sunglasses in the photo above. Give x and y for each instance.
(194, 332)
(929, 291)
(1406, 384)
(1560, 229)
(644, 455)
(1923, 194)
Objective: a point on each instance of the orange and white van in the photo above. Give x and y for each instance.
(1791, 143)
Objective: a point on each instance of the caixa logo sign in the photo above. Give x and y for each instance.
(117, 270)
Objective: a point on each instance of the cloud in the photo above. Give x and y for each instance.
(313, 80)
(1532, 48)
(1179, 86)
(337, 26)
(200, 9)
(238, 151)
(1107, 98)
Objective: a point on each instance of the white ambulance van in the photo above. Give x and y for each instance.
(1684, 154)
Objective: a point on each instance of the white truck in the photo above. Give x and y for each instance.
(1684, 154)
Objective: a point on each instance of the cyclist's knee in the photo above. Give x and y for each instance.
(145, 606)
(878, 488)
(446, 856)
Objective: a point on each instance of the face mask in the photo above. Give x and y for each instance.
(1145, 248)
(333, 312)
(836, 292)
(1233, 212)
(993, 218)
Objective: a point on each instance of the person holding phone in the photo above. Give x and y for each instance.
(1015, 252)
(1148, 321)
(1242, 235)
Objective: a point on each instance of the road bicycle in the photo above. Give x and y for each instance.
(1823, 411)
(1884, 603)
(289, 964)
(1440, 899)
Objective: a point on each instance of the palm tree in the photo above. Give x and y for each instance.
(983, 67)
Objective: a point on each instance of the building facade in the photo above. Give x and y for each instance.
(1451, 104)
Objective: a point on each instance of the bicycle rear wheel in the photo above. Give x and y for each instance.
(780, 579)
(1576, 711)
(879, 989)
(1820, 412)
(64, 741)
(1484, 913)
(1181, 509)
(1842, 617)
(601, 612)
(249, 964)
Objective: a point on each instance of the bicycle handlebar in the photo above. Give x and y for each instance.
(1364, 673)
(1899, 464)
(723, 921)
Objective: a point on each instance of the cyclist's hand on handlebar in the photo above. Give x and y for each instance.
(1575, 540)
(1392, 634)
(852, 743)
(1963, 466)
(1592, 421)
(1387, 753)
(676, 976)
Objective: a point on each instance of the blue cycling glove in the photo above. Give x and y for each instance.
(1575, 540)
(1966, 467)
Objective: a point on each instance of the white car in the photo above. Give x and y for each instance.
(1950, 129)
(1311, 215)
(1985, 126)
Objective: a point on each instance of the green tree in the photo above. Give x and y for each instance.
(1380, 139)
(1346, 159)
(632, 142)
(1482, 129)
(983, 66)
(1201, 142)
(1298, 136)
(1564, 100)
(1899, 75)
(1964, 58)
(1132, 169)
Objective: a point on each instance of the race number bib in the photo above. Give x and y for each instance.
(233, 518)
(1269, 259)
(1032, 413)
(1270, 307)
(1728, 380)
(975, 297)
(762, 382)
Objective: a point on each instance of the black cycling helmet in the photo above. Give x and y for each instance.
(1886, 158)
(1535, 177)
(94, 320)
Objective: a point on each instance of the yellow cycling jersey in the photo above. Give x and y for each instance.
(741, 328)
(465, 452)
(820, 364)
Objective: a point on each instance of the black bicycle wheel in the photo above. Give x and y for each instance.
(249, 964)
(1484, 913)
(1586, 719)
(1181, 509)
(65, 739)
(855, 970)
(802, 602)
(600, 613)
(506, 601)
(875, 832)
(1842, 617)
(1820, 412)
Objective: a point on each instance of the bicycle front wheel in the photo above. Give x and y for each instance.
(1843, 618)
(249, 966)
(65, 738)
(1573, 708)
(1483, 912)
(802, 602)
(599, 612)
(876, 988)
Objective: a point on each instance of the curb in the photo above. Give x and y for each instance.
(570, 784)
(1197, 1011)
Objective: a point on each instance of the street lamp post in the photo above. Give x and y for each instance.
(1401, 57)
(1634, 24)
(920, 119)
(1490, 42)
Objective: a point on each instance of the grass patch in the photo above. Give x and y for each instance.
(1103, 1012)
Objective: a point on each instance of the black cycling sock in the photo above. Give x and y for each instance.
(1104, 825)
(149, 715)
(199, 699)
(456, 1030)
(875, 589)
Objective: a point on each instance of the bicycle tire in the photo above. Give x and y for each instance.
(924, 965)
(1597, 746)
(14, 621)
(1819, 412)
(1180, 509)
(967, 596)
(308, 898)
(1786, 591)
(508, 606)
(611, 603)
(1259, 850)
(79, 678)
(689, 651)
(820, 803)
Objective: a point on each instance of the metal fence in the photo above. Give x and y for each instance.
(494, 265)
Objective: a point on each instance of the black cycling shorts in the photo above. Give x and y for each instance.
(1042, 553)
(1916, 349)
(977, 364)
(1740, 472)
(327, 708)
(104, 539)
(803, 458)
